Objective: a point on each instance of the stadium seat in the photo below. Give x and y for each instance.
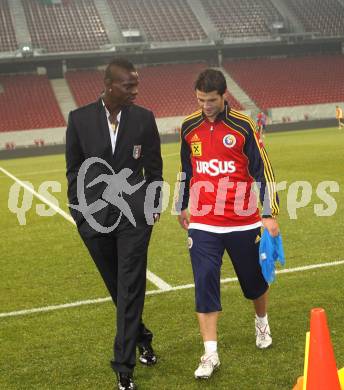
(167, 90)
(158, 20)
(7, 36)
(321, 16)
(290, 81)
(28, 102)
(85, 85)
(237, 18)
(65, 26)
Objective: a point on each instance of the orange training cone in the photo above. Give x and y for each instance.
(299, 383)
(322, 371)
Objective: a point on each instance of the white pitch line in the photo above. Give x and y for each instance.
(54, 307)
(309, 267)
(158, 281)
(155, 292)
(40, 197)
(296, 269)
(161, 284)
(34, 173)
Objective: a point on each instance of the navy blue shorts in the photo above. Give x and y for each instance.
(206, 251)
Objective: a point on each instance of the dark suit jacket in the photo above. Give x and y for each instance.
(137, 148)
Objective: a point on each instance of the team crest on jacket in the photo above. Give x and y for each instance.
(229, 140)
(136, 151)
(196, 149)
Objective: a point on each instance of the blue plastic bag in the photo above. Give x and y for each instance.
(270, 251)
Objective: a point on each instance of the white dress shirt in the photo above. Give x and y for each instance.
(113, 130)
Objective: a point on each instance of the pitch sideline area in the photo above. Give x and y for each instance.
(160, 291)
(44, 263)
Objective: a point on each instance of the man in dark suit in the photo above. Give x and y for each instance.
(117, 146)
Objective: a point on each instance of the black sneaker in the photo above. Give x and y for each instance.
(125, 381)
(147, 355)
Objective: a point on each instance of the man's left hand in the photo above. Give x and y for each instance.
(271, 225)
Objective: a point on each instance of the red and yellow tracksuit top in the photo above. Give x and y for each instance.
(220, 161)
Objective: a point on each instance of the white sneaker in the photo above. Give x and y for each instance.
(208, 364)
(263, 334)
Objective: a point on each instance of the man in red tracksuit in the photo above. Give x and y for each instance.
(221, 158)
(261, 123)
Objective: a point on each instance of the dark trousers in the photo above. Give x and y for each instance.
(121, 259)
(206, 253)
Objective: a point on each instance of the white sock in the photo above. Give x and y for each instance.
(210, 347)
(262, 320)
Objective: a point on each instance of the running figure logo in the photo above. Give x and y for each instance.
(117, 185)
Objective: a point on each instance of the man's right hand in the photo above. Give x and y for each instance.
(183, 219)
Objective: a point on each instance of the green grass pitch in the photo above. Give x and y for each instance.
(44, 263)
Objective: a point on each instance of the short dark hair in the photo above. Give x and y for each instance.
(122, 63)
(211, 80)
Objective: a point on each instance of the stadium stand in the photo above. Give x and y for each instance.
(322, 16)
(158, 20)
(85, 85)
(7, 36)
(238, 18)
(167, 90)
(65, 26)
(28, 102)
(290, 81)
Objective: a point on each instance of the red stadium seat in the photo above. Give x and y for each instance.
(28, 102)
(290, 82)
(167, 90)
